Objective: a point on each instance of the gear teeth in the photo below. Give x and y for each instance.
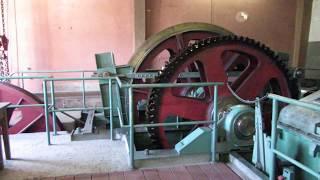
(233, 38)
(173, 63)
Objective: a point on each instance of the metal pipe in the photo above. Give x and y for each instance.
(46, 112)
(110, 109)
(295, 102)
(165, 85)
(80, 109)
(58, 71)
(120, 84)
(53, 102)
(120, 117)
(83, 91)
(214, 127)
(172, 124)
(24, 77)
(77, 78)
(26, 105)
(131, 129)
(272, 174)
(168, 85)
(298, 164)
(22, 81)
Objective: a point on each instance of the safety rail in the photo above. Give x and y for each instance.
(275, 100)
(22, 75)
(12, 77)
(50, 108)
(131, 124)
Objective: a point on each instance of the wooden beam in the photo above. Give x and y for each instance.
(301, 35)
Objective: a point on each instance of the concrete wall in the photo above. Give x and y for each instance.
(314, 34)
(313, 54)
(65, 34)
(269, 21)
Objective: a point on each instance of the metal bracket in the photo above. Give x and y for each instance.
(315, 149)
(259, 149)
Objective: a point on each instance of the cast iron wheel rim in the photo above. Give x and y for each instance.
(162, 102)
(140, 57)
(145, 59)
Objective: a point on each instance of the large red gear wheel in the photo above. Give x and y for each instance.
(259, 71)
(159, 48)
(27, 119)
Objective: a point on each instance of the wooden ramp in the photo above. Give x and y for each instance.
(193, 172)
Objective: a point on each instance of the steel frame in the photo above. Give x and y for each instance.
(274, 152)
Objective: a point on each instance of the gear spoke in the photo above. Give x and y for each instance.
(183, 107)
(251, 68)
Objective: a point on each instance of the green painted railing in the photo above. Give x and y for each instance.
(50, 108)
(132, 126)
(274, 152)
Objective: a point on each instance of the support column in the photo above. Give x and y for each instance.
(301, 34)
(139, 8)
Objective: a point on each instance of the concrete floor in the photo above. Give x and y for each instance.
(32, 157)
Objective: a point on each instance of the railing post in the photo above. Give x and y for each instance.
(46, 112)
(110, 110)
(83, 90)
(273, 138)
(22, 81)
(53, 102)
(131, 130)
(214, 125)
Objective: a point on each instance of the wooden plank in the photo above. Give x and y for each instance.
(104, 176)
(196, 172)
(133, 175)
(181, 173)
(82, 177)
(116, 176)
(228, 173)
(151, 174)
(166, 174)
(211, 172)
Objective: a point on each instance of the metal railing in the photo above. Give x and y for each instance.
(12, 77)
(50, 108)
(131, 124)
(274, 152)
(22, 76)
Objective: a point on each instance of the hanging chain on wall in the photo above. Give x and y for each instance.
(4, 64)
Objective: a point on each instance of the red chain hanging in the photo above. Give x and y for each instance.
(4, 65)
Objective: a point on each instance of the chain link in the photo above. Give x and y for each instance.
(3, 18)
(4, 64)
